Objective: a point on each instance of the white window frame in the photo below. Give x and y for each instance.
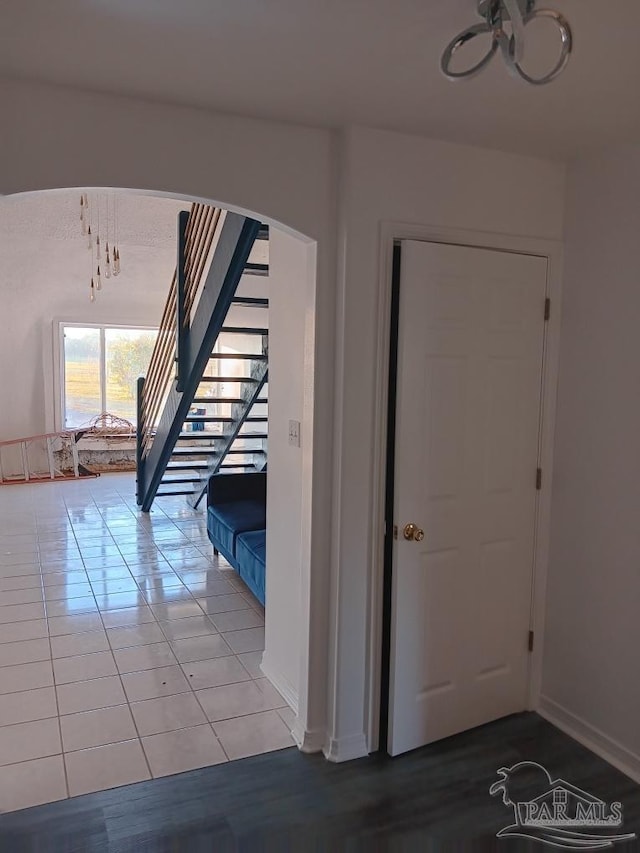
(59, 385)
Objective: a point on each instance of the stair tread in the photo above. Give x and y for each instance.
(256, 269)
(250, 301)
(194, 451)
(228, 379)
(211, 436)
(221, 419)
(244, 330)
(187, 466)
(179, 452)
(200, 436)
(230, 400)
(242, 356)
(237, 465)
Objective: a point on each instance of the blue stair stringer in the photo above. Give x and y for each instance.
(229, 260)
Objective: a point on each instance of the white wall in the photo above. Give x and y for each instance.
(388, 177)
(592, 661)
(291, 268)
(56, 137)
(47, 281)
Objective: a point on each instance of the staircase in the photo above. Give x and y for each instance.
(202, 409)
(226, 430)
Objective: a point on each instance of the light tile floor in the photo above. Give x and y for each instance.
(127, 650)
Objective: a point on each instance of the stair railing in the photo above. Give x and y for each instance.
(197, 233)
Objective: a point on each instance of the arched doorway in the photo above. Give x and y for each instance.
(296, 650)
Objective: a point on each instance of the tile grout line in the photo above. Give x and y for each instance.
(64, 760)
(193, 691)
(128, 704)
(206, 716)
(156, 622)
(55, 693)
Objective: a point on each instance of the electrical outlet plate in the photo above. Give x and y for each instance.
(294, 433)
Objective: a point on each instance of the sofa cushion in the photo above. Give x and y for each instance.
(251, 554)
(224, 488)
(227, 520)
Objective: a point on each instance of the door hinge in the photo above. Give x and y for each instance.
(538, 479)
(530, 641)
(547, 308)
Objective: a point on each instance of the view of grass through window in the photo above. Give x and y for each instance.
(101, 367)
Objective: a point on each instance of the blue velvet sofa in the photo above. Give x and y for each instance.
(237, 522)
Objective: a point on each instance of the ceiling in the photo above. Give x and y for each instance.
(41, 242)
(148, 221)
(336, 62)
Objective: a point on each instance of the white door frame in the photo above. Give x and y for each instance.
(552, 250)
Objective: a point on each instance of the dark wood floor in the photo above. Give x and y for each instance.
(431, 799)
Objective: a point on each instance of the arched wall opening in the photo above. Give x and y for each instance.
(294, 659)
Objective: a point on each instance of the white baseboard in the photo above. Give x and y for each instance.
(282, 684)
(346, 748)
(606, 747)
(308, 741)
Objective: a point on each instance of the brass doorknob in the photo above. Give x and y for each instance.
(413, 533)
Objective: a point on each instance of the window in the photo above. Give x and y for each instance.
(101, 365)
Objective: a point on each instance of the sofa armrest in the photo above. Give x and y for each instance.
(224, 488)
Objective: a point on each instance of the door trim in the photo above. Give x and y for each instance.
(552, 250)
(389, 532)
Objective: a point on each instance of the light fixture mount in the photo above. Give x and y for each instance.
(491, 8)
(516, 14)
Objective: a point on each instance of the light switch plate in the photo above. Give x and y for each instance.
(294, 433)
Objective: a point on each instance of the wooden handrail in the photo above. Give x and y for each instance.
(200, 232)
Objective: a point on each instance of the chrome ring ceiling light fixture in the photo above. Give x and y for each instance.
(517, 14)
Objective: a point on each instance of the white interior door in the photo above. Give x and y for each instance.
(471, 333)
